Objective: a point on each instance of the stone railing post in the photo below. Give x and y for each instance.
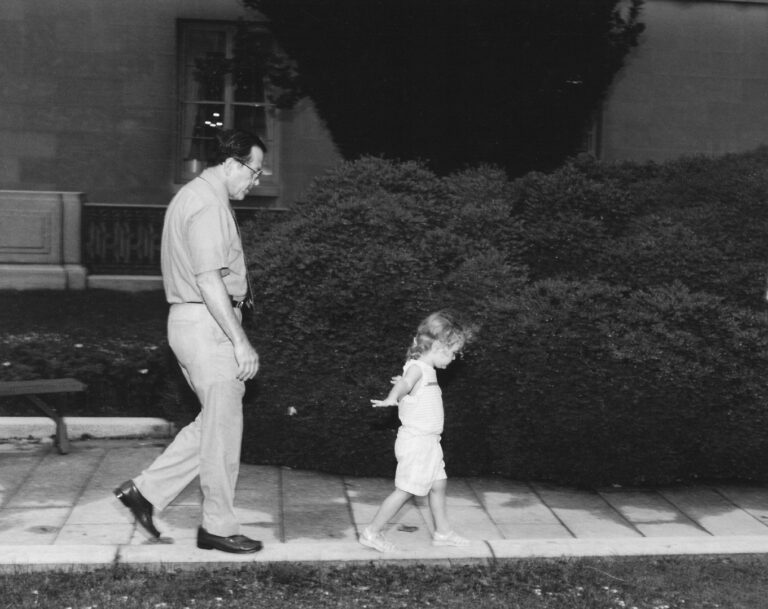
(40, 240)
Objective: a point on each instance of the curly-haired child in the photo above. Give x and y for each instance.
(420, 465)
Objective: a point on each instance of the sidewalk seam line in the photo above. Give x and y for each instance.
(615, 509)
(546, 505)
(27, 475)
(487, 513)
(79, 495)
(736, 505)
(281, 502)
(349, 506)
(680, 509)
(494, 558)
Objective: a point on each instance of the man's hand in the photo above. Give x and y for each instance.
(218, 302)
(247, 361)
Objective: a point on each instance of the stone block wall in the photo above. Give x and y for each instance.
(40, 240)
(696, 84)
(89, 101)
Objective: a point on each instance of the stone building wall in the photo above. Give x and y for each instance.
(696, 84)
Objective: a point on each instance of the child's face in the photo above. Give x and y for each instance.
(443, 355)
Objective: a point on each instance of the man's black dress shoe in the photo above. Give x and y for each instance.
(139, 506)
(237, 544)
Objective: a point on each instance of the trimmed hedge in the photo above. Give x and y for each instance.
(621, 307)
(342, 285)
(620, 342)
(618, 386)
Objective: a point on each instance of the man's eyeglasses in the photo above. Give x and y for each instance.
(255, 173)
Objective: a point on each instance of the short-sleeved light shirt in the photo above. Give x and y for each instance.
(421, 411)
(200, 234)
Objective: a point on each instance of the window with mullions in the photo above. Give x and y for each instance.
(221, 86)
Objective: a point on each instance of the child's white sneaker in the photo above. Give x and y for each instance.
(451, 538)
(377, 541)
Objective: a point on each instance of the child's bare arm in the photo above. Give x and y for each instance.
(402, 387)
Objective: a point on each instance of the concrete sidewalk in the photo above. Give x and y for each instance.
(58, 511)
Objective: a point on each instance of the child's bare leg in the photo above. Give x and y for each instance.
(389, 507)
(443, 535)
(437, 506)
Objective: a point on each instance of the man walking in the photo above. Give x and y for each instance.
(206, 284)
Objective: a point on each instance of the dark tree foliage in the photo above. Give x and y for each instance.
(457, 82)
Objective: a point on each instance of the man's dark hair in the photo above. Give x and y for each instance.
(237, 144)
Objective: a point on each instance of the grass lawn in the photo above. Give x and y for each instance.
(643, 583)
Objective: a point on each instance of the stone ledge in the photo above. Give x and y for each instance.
(94, 427)
(42, 276)
(125, 283)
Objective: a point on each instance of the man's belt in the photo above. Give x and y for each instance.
(237, 304)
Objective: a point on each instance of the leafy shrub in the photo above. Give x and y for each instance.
(604, 384)
(569, 216)
(342, 285)
(701, 221)
(611, 349)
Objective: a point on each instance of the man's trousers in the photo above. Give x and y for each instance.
(210, 445)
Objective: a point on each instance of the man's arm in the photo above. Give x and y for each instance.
(219, 304)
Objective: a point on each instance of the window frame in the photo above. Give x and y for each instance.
(269, 185)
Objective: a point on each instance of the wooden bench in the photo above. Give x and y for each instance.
(33, 389)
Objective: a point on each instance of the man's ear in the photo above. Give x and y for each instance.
(229, 164)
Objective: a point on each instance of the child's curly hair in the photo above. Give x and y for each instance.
(444, 326)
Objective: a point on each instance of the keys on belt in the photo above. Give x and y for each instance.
(246, 303)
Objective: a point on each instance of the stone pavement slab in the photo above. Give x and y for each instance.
(652, 514)
(510, 502)
(58, 511)
(14, 470)
(753, 500)
(314, 507)
(714, 512)
(60, 483)
(24, 526)
(517, 511)
(92, 427)
(585, 513)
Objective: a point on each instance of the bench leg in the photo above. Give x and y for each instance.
(61, 440)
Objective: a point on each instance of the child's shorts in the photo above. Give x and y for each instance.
(419, 462)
